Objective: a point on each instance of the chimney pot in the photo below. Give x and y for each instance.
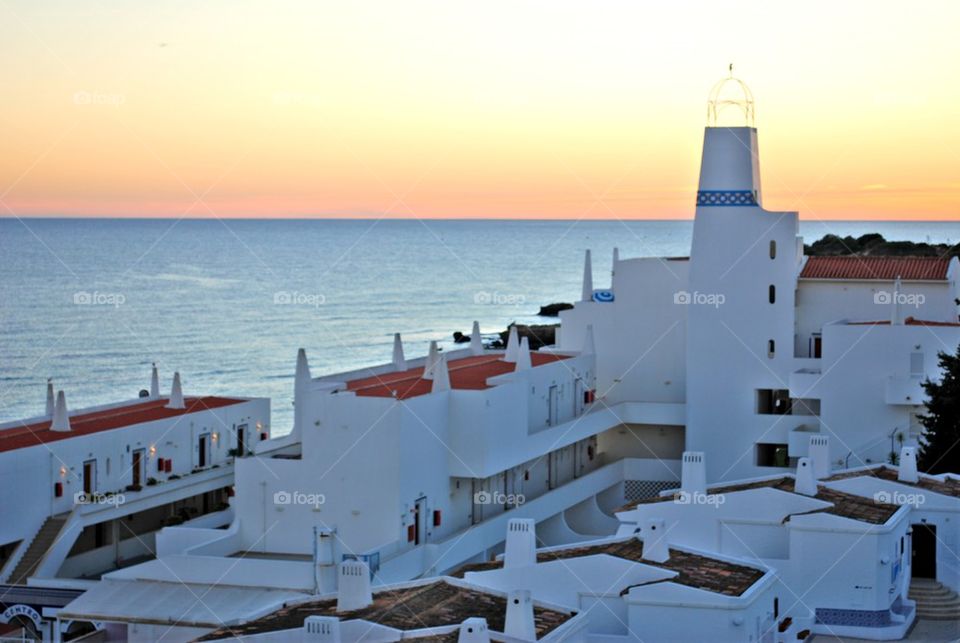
(654, 537)
(321, 629)
(805, 482)
(521, 547)
(353, 586)
(907, 471)
(519, 619)
(693, 473)
(474, 630)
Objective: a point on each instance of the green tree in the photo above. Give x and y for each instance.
(940, 444)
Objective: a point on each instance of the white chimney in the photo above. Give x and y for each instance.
(589, 347)
(474, 630)
(907, 471)
(51, 399)
(324, 559)
(441, 376)
(476, 342)
(321, 629)
(176, 394)
(805, 482)
(154, 383)
(616, 258)
(521, 547)
(353, 586)
(896, 315)
(433, 356)
(61, 419)
(399, 363)
(819, 451)
(693, 473)
(513, 346)
(654, 537)
(523, 357)
(519, 621)
(301, 388)
(587, 293)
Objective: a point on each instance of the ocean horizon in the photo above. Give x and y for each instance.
(91, 302)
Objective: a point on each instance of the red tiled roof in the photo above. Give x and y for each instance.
(877, 268)
(29, 435)
(466, 373)
(909, 321)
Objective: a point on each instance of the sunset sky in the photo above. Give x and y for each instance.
(457, 109)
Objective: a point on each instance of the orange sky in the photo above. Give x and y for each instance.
(450, 109)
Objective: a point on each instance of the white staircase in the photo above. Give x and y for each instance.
(934, 601)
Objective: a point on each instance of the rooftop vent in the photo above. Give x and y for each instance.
(519, 621)
(521, 548)
(654, 537)
(476, 342)
(805, 482)
(474, 630)
(325, 629)
(819, 451)
(154, 382)
(353, 586)
(908, 465)
(693, 473)
(587, 292)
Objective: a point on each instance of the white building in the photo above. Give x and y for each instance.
(86, 491)
(757, 344)
(746, 350)
(844, 544)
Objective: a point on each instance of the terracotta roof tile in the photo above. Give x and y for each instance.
(876, 268)
(434, 604)
(948, 487)
(465, 373)
(846, 505)
(702, 572)
(29, 435)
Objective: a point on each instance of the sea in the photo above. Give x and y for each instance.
(92, 303)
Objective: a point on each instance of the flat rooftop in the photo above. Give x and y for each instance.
(435, 604)
(694, 570)
(467, 373)
(946, 487)
(909, 321)
(28, 435)
(857, 268)
(846, 505)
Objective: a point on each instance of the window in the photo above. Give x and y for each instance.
(772, 455)
(916, 364)
(773, 401)
(772, 294)
(773, 249)
(771, 348)
(776, 607)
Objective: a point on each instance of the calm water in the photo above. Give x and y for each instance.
(228, 303)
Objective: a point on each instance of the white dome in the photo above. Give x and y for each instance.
(730, 92)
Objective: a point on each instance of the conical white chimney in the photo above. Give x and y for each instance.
(441, 376)
(51, 399)
(513, 346)
(476, 342)
(154, 382)
(399, 363)
(176, 394)
(524, 361)
(587, 293)
(61, 418)
(433, 358)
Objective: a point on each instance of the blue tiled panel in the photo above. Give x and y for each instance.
(854, 618)
(726, 197)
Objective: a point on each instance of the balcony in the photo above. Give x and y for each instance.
(805, 383)
(905, 390)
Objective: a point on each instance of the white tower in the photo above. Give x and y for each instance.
(743, 265)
